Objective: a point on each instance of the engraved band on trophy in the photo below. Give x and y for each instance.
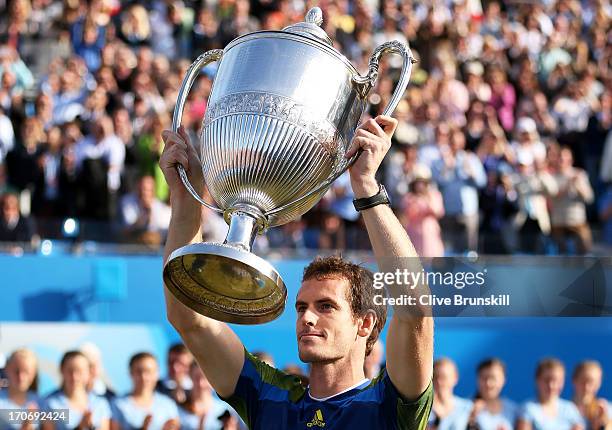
(283, 109)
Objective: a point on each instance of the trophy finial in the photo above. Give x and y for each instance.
(311, 27)
(315, 16)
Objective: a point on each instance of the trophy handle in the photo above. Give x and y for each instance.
(363, 85)
(193, 71)
(320, 188)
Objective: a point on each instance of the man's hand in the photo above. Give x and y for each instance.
(373, 139)
(179, 150)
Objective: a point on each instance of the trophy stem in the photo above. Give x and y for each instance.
(242, 230)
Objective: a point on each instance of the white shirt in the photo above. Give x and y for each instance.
(7, 136)
(536, 150)
(160, 213)
(573, 115)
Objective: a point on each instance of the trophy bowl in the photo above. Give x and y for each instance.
(282, 112)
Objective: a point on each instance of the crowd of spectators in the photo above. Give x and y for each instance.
(503, 145)
(185, 399)
(490, 410)
(182, 399)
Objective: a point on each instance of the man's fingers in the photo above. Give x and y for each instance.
(366, 144)
(384, 120)
(170, 137)
(372, 126)
(352, 149)
(387, 123)
(173, 140)
(182, 159)
(362, 132)
(356, 145)
(185, 136)
(360, 143)
(174, 155)
(364, 139)
(190, 148)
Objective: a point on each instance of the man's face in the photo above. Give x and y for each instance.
(146, 191)
(326, 329)
(144, 374)
(199, 379)
(10, 207)
(458, 141)
(567, 159)
(179, 364)
(445, 377)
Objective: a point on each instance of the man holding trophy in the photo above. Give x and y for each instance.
(271, 147)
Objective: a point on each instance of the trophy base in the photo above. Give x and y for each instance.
(226, 283)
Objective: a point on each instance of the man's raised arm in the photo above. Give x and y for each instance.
(215, 346)
(410, 336)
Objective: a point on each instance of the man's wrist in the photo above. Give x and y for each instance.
(364, 188)
(186, 209)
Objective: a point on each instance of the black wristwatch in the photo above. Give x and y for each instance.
(380, 198)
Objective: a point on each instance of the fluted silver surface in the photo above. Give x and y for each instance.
(265, 161)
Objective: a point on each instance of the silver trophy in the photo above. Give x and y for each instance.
(282, 112)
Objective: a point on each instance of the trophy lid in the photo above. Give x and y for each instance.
(311, 27)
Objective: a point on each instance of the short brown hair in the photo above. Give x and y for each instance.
(70, 355)
(491, 362)
(548, 364)
(136, 358)
(361, 293)
(178, 348)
